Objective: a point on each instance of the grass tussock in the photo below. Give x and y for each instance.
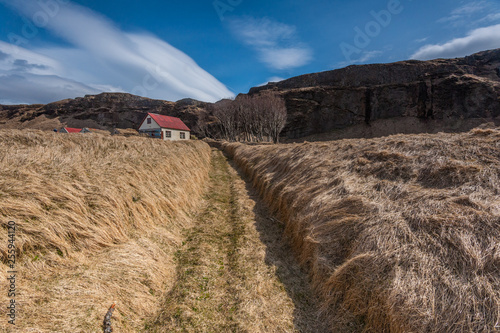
(98, 220)
(399, 234)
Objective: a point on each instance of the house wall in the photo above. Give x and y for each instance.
(176, 135)
(146, 126)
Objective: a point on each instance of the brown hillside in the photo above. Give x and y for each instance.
(104, 111)
(399, 234)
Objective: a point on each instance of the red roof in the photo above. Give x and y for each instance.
(168, 122)
(73, 130)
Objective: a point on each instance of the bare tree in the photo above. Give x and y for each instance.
(272, 109)
(248, 114)
(225, 112)
(252, 118)
(278, 117)
(243, 107)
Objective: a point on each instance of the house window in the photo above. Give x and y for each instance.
(168, 134)
(183, 135)
(149, 121)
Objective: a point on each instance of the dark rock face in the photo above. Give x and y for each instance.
(108, 111)
(439, 89)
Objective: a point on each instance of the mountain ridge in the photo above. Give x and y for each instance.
(440, 90)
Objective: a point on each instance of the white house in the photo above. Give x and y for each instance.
(164, 127)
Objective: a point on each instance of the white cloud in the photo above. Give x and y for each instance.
(271, 79)
(284, 58)
(421, 40)
(276, 79)
(473, 14)
(471, 8)
(104, 57)
(465, 11)
(476, 40)
(43, 65)
(276, 44)
(368, 56)
(489, 18)
(29, 88)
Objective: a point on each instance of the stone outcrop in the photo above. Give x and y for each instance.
(103, 111)
(463, 88)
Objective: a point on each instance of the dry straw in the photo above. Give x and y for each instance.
(98, 218)
(399, 234)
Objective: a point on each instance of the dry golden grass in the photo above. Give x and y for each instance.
(224, 283)
(126, 132)
(399, 234)
(98, 218)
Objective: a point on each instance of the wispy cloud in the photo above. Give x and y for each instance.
(473, 14)
(271, 79)
(489, 18)
(3, 56)
(465, 10)
(476, 40)
(277, 44)
(421, 40)
(101, 56)
(29, 88)
(276, 79)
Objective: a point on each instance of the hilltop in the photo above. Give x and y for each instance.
(104, 111)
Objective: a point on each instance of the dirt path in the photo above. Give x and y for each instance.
(234, 272)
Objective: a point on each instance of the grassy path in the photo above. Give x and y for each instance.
(234, 273)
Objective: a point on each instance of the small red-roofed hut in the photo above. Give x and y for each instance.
(70, 130)
(164, 127)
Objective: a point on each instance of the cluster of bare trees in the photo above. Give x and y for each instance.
(255, 118)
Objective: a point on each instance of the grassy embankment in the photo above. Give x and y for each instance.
(99, 219)
(103, 219)
(399, 234)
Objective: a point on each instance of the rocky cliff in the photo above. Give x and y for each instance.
(446, 90)
(103, 111)
(424, 95)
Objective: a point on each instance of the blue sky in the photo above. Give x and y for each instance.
(213, 49)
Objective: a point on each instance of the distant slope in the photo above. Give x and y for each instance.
(399, 234)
